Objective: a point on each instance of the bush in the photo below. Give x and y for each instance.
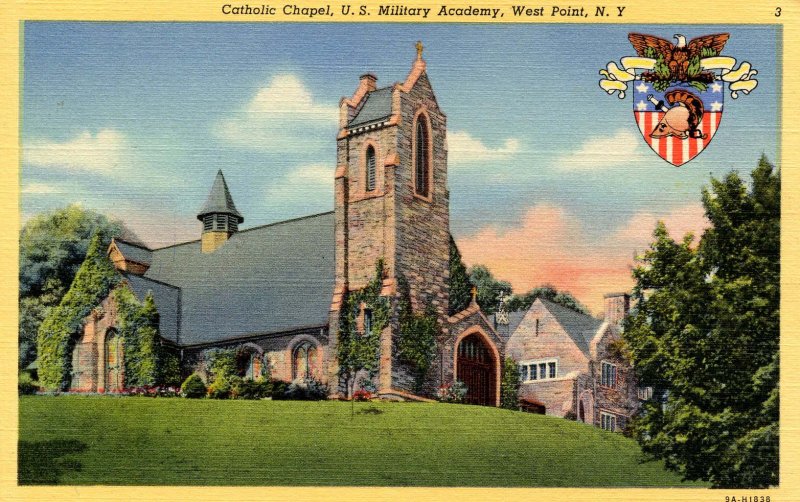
(307, 390)
(455, 393)
(362, 395)
(279, 389)
(220, 388)
(27, 385)
(193, 387)
(252, 389)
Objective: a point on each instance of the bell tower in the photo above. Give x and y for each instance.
(391, 196)
(219, 216)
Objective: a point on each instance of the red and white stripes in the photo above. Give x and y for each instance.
(674, 150)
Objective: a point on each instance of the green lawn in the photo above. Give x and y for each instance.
(163, 441)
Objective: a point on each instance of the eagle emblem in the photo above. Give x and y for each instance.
(678, 90)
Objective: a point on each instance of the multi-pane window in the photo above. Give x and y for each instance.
(304, 361)
(367, 321)
(370, 168)
(538, 370)
(608, 376)
(422, 159)
(608, 422)
(645, 393)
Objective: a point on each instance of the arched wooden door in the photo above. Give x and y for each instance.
(476, 368)
(113, 362)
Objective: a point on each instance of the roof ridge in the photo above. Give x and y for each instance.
(140, 246)
(127, 274)
(241, 231)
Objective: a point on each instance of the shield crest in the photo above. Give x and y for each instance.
(679, 122)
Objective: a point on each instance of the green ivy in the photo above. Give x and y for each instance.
(147, 361)
(416, 345)
(231, 362)
(509, 385)
(56, 337)
(361, 351)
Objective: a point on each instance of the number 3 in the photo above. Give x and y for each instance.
(777, 12)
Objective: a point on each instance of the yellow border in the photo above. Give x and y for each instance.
(637, 11)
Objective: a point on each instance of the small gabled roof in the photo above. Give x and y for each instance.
(133, 252)
(377, 106)
(581, 328)
(219, 200)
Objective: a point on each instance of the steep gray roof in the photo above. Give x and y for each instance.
(514, 320)
(134, 252)
(378, 106)
(167, 300)
(219, 200)
(581, 328)
(267, 279)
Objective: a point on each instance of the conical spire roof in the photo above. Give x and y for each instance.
(219, 200)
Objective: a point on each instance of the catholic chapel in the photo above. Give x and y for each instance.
(283, 296)
(277, 292)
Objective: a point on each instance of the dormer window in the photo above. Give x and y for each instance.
(422, 164)
(370, 168)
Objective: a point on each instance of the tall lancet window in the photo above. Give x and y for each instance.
(370, 168)
(421, 159)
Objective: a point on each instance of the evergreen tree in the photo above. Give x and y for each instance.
(705, 335)
(458, 283)
(489, 288)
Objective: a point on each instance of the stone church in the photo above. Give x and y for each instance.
(276, 291)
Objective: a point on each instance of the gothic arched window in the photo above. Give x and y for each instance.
(370, 165)
(304, 361)
(422, 163)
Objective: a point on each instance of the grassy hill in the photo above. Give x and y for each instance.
(129, 441)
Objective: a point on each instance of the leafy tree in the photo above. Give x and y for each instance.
(52, 246)
(705, 335)
(459, 284)
(489, 288)
(548, 292)
(509, 385)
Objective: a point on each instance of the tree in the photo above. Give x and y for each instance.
(458, 284)
(705, 335)
(509, 385)
(52, 247)
(489, 288)
(548, 292)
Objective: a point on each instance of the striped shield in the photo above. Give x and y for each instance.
(650, 107)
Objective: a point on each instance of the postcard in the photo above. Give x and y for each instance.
(332, 251)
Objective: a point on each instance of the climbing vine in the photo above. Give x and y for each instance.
(147, 361)
(416, 345)
(57, 334)
(358, 346)
(509, 385)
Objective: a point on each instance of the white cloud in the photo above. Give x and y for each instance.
(39, 189)
(601, 152)
(282, 116)
(102, 152)
(463, 148)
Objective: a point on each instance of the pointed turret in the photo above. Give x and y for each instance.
(219, 216)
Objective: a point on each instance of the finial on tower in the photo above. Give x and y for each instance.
(420, 48)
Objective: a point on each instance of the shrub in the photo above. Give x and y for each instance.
(362, 395)
(452, 393)
(306, 389)
(279, 389)
(27, 385)
(220, 388)
(193, 387)
(509, 385)
(252, 389)
(152, 391)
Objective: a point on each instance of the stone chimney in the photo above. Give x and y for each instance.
(617, 306)
(369, 82)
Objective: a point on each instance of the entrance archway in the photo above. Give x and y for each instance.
(476, 367)
(113, 363)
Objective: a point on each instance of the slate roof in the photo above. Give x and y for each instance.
(581, 328)
(268, 279)
(378, 106)
(134, 252)
(167, 299)
(219, 200)
(514, 320)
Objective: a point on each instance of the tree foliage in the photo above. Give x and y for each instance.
(548, 292)
(355, 350)
(416, 345)
(705, 335)
(509, 385)
(489, 288)
(458, 283)
(52, 247)
(94, 280)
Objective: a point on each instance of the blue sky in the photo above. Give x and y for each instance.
(134, 119)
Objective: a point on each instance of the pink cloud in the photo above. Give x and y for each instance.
(551, 246)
